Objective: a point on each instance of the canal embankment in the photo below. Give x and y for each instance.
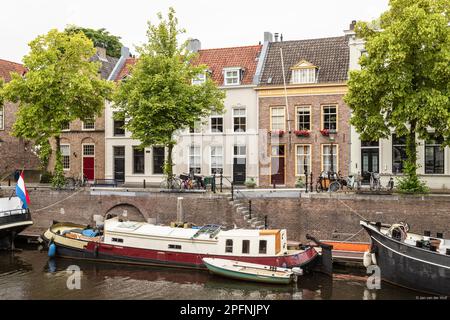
(325, 216)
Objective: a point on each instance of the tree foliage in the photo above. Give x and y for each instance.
(157, 99)
(61, 85)
(404, 81)
(101, 38)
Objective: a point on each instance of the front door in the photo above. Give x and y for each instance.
(89, 161)
(119, 164)
(277, 164)
(370, 163)
(239, 165)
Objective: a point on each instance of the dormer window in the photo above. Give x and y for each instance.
(200, 79)
(232, 76)
(304, 72)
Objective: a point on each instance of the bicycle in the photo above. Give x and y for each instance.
(327, 181)
(171, 183)
(72, 183)
(191, 181)
(375, 182)
(352, 182)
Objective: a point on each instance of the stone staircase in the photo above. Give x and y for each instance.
(241, 208)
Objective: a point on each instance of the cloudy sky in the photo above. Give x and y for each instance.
(217, 23)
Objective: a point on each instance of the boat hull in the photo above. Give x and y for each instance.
(11, 226)
(119, 254)
(247, 277)
(410, 267)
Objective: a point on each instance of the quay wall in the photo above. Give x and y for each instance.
(327, 217)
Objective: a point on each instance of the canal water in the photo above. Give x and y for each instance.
(30, 274)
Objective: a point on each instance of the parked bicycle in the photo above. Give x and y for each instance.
(191, 181)
(375, 182)
(73, 183)
(352, 182)
(171, 183)
(327, 181)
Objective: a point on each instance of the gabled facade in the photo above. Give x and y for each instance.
(300, 101)
(225, 143)
(83, 143)
(15, 153)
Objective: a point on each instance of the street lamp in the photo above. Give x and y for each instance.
(332, 136)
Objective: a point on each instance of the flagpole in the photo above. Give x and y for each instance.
(286, 101)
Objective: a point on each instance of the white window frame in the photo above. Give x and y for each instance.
(335, 155)
(284, 118)
(299, 109)
(236, 80)
(304, 75)
(216, 116)
(240, 116)
(68, 128)
(89, 129)
(220, 156)
(195, 155)
(67, 155)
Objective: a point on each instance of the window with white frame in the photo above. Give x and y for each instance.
(197, 128)
(307, 75)
(232, 77)
(65, 153)
(89, 124)
(216, 123)
(303, 159)
(195, 159)
(2, 118)
(88, 150)
(199, 79)
(239, 120)
(330, 157)
(216, 160)
(277, 118)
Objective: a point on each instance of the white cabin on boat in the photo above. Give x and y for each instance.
(209, 239)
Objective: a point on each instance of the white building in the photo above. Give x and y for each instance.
(386, 155)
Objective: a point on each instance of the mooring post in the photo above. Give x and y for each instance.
(250, 209)
(144, 184)
(221, 181)
(311, 182)
(213, 183)
(306, 182)
(180, 215)
(265, 222)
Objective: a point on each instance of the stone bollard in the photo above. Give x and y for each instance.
(180, 215)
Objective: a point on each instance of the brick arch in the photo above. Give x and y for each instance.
(133, 211)
(88, 140)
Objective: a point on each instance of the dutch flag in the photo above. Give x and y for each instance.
(22, 193)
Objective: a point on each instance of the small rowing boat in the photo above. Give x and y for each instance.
(251, 271)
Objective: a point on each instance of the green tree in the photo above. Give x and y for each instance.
(101, 38)
(61, 85)
(404, 81)
(158, 98)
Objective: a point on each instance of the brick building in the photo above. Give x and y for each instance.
(294, 119)
(15, 153)
(83, 143)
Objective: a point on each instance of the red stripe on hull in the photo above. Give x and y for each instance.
(194, 260)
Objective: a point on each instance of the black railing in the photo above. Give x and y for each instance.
(105, 183)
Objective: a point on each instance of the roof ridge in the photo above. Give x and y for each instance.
(236, 47)
(9, 61)
(336, 37)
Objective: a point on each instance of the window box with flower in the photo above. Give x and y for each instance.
(302, 133)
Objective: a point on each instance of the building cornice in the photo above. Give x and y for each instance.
(304, 89)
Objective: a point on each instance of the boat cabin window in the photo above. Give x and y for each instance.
(263, 246)
(229, 246)
(245, 246)
(174, 246)
(117, 240)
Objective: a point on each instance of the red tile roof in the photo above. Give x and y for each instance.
(243, 57)
(126, 68)
(218, 59)
(6, 67)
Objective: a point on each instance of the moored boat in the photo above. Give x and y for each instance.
(147, 244)
(250, 271)
(410, 260)
(13, 220)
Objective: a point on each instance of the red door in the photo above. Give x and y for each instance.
(278, 165)
(88, 167)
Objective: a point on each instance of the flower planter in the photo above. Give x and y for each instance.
(302, 133)
(277, 133)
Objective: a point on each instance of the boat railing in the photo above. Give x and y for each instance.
(13, 212)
